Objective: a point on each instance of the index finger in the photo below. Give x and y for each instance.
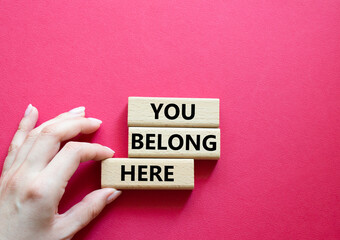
(67, 160)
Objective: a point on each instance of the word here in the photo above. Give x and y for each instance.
(132, 173)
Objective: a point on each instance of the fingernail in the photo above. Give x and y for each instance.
(95, 120)
(28, 110)
(113, 152)
(113, 196)
(77, 110)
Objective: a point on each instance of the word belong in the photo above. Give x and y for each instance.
(174, 142)
(197, 143)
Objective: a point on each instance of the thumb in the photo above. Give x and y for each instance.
(86, 210)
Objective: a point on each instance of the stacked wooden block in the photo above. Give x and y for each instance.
(165, 136)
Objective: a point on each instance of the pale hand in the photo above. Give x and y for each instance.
(36, 172)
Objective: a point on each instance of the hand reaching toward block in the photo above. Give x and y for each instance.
(36, 172)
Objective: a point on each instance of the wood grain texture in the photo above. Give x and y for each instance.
(165, 142)
(142, 114)
(180, 173)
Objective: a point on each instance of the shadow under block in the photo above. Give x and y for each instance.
(173, 112)
(132, 173)
(196, 143)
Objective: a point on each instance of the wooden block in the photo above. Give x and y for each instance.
(173, 112)
(197, 143)
(132, 173)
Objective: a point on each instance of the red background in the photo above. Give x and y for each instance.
(275, 65)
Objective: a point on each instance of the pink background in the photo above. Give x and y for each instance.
(275, 65)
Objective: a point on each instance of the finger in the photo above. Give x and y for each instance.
(67, 160)
(75, 112)
(26, 124)
(32, 135)
(85, 211)
(48, 142)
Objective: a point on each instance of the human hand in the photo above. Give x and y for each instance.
(35, 174)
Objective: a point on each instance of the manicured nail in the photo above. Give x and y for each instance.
(28, 109)
(95, 120)
(77, 110)
(113, 152)
(113, 196)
